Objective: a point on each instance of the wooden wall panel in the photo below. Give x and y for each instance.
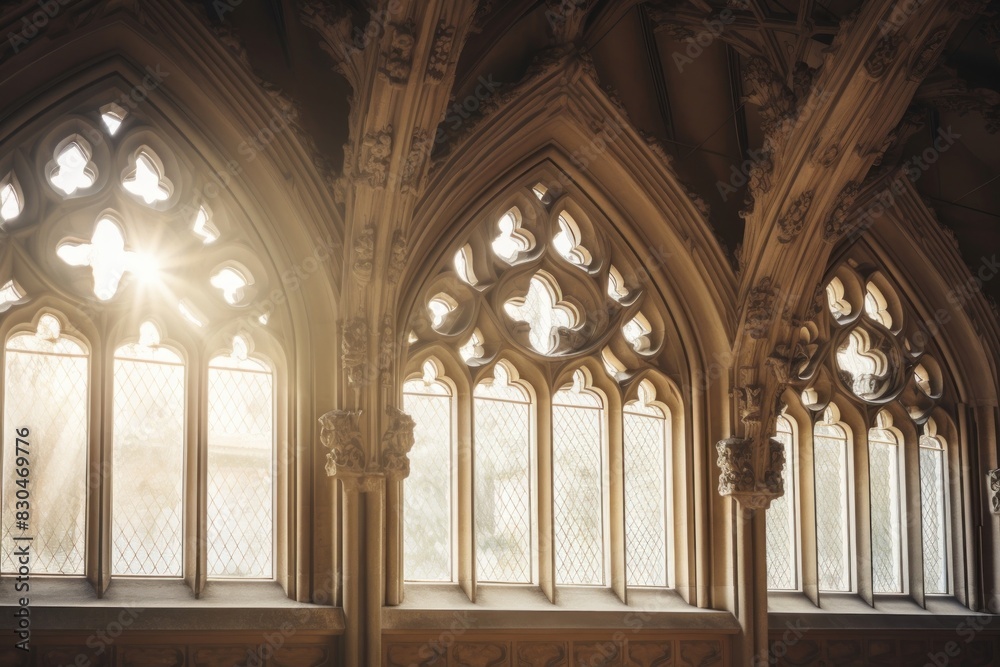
(555, 649)
(917, 648)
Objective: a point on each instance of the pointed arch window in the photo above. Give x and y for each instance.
(428, 500)
(831, 458)
(578, 462)
(240, 466)
(502, 447)
(148, 461)
(782, 548)
(46, 390)
(646, 441)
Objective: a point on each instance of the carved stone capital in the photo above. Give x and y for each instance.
(397, 441)
(760, 308)
(738, 472)
(993, 483)
(340, 434)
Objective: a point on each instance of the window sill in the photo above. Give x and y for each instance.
(848, 611)
(435, 606)
(66, 604)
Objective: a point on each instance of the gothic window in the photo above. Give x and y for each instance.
(240, 465)
(129, 323)
(569, 428)
(878, 398)
(428, 500)
(782, 551)
(148, 481)
(831, 458)
(46, 391)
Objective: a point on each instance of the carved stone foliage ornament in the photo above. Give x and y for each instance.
(881, 58)
(927, 55)
(397, 255)
(749, 397)
(416, 160)
(397, 441)
(354, 350)
(836, 224)
(437, 65)
(385, 351)
(737, 475)
(364, 254)
(993, 479)
(396, 61)
(794, 218)
(760, 308)
(341, 435)
(376, 151)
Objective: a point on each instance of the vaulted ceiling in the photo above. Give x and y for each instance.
(679, 68)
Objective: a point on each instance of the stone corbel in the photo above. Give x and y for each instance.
(397, 441)
(346, 459)
(753, 477)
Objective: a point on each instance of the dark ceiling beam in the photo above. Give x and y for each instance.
(656, 71)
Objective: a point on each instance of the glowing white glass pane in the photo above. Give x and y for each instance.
(10, 204)
(427, 495)
(860, 364)
(782, 573)
(883, 466)
(636, 332)
(934, 522)
(463, 266)
(145, 181)
(833, 543)
(577, 494)
(540, 191)
(188, 313)
(509, 242)
(204, 228)
(645, 495)
(543, 315)
(439, 310)
(876, 306)
(473, 348)
(502, 482)
(240, 473)
(46, 391)
(10, 293)
(112, 115)
(616, 284)
(232, 283)
(105, 255)
(71, 172)
(147, 511)
(839, 306)
(566, 242)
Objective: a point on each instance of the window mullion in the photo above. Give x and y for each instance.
(466, 548)
(196, 479)
(615, 467)
(99, 528)
(543, 493)
(861, 528)
(912, 527)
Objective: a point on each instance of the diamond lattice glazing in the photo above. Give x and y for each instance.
(883, 462)
(427, 495)
(832, 538)
(577, 441)
(148, 468)
(46, 391)
(645, 496)
(781, 552)
(933, 518)
(240, 479)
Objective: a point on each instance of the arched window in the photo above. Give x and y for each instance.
(877, 387)
(578, 463)
(647, 465)
(782, 547)
(148, 464)
(156, 442)
(567, 480)
(240, 466)
(427, 540)
(934, 510)
(831, 458)
(504, 494)
(884, 453)
(46, 392)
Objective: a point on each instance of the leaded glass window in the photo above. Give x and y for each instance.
(427, 538)
(46, 390)
(578, 485)
(503, 489)
(646, 466)
(884, 475)
(148, 470)
(240, 466)
(782, 552)
(934, 514)
(833, 531)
